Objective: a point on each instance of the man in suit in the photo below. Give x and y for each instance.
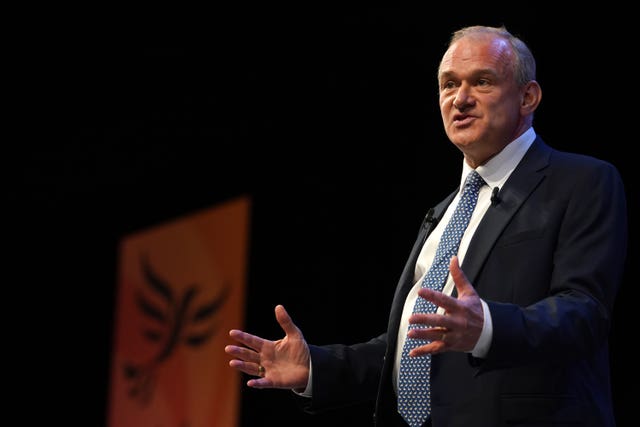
(520, 335)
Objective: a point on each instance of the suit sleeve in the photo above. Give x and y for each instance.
(345, 375)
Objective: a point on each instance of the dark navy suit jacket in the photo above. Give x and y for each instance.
(548, 258)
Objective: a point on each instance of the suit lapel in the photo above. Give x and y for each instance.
(524, 179)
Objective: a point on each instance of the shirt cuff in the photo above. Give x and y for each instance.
(307, 391)
(484, 342)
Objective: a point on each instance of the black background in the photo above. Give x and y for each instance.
(327, 118)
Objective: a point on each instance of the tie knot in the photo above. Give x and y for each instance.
(474, 180)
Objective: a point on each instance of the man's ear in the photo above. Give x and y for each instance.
(531, 97)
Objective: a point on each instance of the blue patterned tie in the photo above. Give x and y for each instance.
(414, 393)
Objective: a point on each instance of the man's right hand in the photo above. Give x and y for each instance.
(277, 364)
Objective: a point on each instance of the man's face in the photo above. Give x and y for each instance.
(479, 98)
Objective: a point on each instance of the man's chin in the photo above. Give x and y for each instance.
(463, 140)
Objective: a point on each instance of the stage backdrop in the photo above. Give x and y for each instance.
(181, 287)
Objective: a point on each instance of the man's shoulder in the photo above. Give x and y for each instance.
(565, 158)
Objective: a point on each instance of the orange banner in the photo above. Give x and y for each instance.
(181, 287)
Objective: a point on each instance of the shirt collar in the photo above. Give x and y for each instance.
(498, 169)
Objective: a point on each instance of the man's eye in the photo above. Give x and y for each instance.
(483, 82)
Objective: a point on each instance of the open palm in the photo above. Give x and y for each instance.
(285, 361)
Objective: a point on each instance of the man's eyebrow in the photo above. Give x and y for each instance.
(475, 73)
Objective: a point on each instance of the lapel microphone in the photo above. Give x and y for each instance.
(495, 199)
(429, 220)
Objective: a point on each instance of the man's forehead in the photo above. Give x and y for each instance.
(476, 50)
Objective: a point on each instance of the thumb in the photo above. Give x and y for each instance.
(463, 286)
(285, 321)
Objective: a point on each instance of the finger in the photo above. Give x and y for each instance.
(435, 338)
(251, 341)
(429, 334)
(463, 286)
(447, 302)
(285, 321)
(249, 368)
(260, 383)
(431, 348)
(242, 353)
